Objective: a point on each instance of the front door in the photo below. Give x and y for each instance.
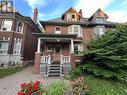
(57, 53)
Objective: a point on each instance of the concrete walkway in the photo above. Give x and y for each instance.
(10, 85)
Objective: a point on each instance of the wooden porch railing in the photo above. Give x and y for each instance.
(65, 59)
(46, 59)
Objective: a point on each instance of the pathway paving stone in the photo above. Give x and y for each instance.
(10, 85)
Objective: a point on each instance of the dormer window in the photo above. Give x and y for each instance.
(99, 20)
(73, 16)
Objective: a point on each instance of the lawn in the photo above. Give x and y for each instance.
(9, 71)
(102, 87)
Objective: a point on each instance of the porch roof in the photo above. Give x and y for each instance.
(55, 35)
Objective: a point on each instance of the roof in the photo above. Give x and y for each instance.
(83, 21)
(21, 17)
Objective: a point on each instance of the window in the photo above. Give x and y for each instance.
(17, 47)
(19, 26)
(78, 48)
(75, 29)
(99, 20)
(99, 31)
(49, 48)
(73, 16)
(6, 25)
(3, 47)
(58, 30)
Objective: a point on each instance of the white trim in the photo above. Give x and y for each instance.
(72, 46)
(38, 45)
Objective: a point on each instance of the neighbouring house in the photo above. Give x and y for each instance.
(60, 46)
(17, 44)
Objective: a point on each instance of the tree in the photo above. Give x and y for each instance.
(106, 56)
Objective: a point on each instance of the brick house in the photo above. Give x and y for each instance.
(17, 44)
(60, 46)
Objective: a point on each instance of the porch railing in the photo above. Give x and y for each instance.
(65, 59)
(46, 59)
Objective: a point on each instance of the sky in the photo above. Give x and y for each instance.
(49, 9)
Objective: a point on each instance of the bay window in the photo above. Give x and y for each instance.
(75, 29)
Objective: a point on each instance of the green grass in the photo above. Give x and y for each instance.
(102, 87)
(9, 71)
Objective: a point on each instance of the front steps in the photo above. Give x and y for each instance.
(55, 70)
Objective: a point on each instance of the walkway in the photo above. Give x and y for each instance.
(11, 85)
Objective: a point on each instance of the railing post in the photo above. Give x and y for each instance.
(49, 59)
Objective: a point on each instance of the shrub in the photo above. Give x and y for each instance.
(56, 88)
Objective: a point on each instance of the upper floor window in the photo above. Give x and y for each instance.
(99, 31)
(6, 24)
(99, 20)
(75, 29)
(19, 27)
(58, 30)
(4, 47)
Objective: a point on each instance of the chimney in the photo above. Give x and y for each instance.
(35, 15)
(80, 12)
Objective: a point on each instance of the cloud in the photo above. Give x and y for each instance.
(35, 3)
(117, 16)
(90, 6)
(40, 16)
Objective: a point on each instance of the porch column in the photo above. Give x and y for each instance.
(72, 45)
(38, 45)
(37, 58)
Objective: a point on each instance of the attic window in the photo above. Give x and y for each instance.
(73, 16)
(99, 20)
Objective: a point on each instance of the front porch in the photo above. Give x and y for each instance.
(55, 55)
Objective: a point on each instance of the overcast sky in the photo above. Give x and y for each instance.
(49, 9)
